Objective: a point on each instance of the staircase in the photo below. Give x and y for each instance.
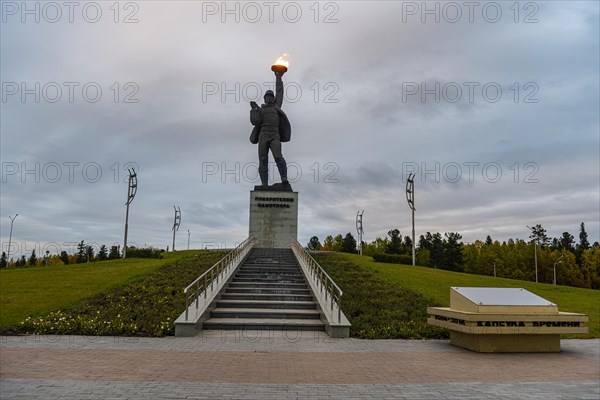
(268, 292)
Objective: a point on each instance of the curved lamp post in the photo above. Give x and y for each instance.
(410, 198)
(558, 261)
(131, 192)
(176, 223)
(359, 229)
(12, 220)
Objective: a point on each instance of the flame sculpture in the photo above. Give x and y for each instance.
(281, 64)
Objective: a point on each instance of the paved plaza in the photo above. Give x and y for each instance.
(292, 365)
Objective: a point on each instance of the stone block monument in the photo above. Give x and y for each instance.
(504, 320)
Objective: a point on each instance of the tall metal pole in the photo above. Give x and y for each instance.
(12, 220)
(176, 223)
(189, 233)
(359, 229)
(535, 244)
(535, 256)
(410, 198)
(131, 191)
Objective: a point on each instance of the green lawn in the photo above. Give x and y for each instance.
(37, 291)
(143, 296)
(434, 284)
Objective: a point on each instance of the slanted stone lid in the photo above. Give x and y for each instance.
(499, 300)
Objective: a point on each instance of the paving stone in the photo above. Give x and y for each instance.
(275, 367)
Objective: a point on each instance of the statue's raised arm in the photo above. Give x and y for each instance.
(278, 89)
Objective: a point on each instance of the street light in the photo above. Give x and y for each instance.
(131, 191)
(410, 198)
(12, 220)
(535, 253)
(558, 261)
(359, 229)
(176, 223)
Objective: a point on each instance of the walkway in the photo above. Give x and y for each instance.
(292, 365)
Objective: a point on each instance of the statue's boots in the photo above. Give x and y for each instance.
(282, 167)
(264, 178)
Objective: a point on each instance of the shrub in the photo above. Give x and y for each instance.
(376, 308)
(146, 307)
(393, 258)
(147, 252)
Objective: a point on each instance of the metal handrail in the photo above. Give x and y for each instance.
(213, 274)
(325, 284)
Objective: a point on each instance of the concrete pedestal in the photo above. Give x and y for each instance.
(273, 218)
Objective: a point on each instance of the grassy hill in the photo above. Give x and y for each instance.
(144, 296)
(434, 285)
(31, 292)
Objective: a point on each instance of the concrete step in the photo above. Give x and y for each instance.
(263, 324)
(269, 313)
(269, 280)
(271, 297)
(268, 290)
(269, 269)
(292, 264)
(240, 285)
(299, 305)
(268, 275)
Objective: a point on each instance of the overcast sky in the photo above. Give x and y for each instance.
(494, 106)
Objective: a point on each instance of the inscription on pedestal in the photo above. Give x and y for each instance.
(273, 218)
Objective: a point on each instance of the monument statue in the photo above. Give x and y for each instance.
(271, 128)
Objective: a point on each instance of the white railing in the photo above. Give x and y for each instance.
(326, 288)
(201, 284)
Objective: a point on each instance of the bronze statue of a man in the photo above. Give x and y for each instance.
(271, 128)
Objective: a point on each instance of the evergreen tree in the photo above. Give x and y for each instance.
(425, 242)
(102, 253)
(32, 259)
(3, 261)
(89, 253)
(566, 242)
(114, 253)
(453, 252)
(395, 244)
(538, 234)
(407, 245)
(437, 251)
(22, 261)
(488, 240)
(584, 243)
(349, 244)
(81, 255)
(64, 257)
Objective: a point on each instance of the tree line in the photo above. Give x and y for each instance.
(85, 253)
(576, 264)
